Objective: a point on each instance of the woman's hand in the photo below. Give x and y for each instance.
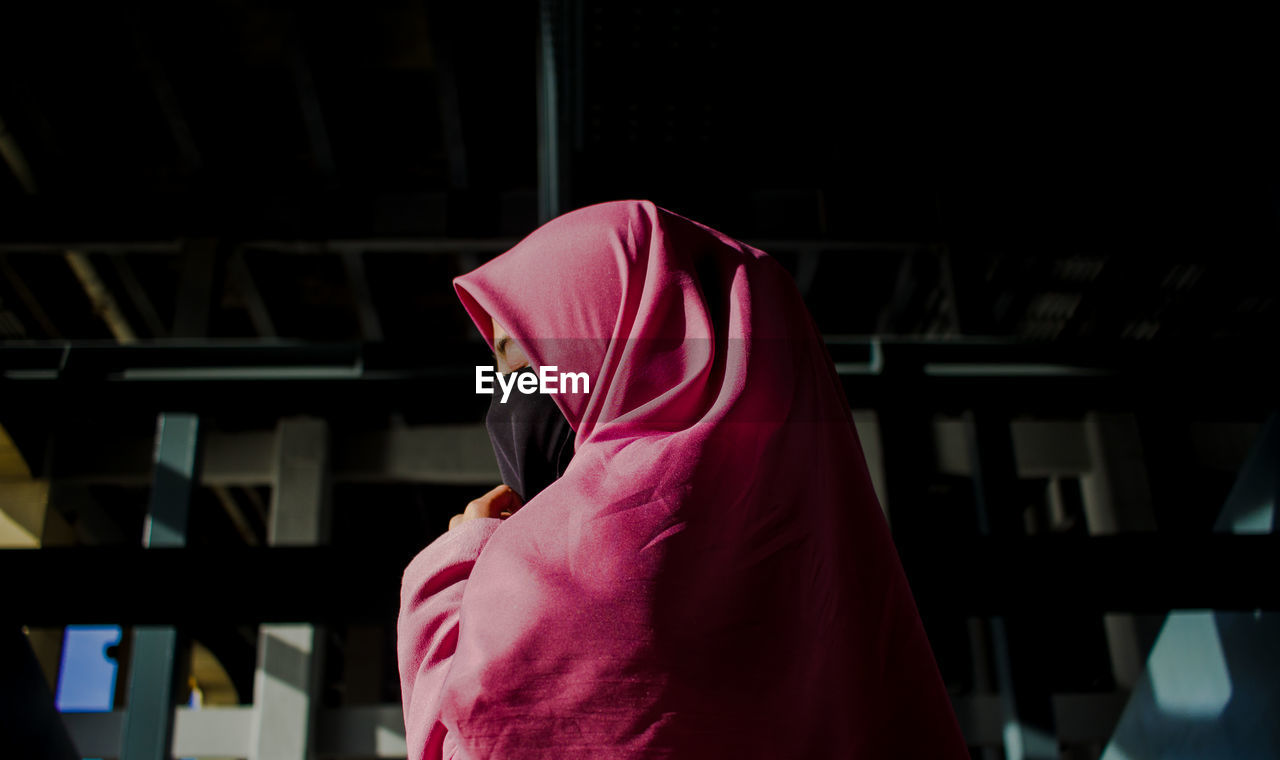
(501, 502)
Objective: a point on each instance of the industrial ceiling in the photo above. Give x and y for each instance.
(259, 170)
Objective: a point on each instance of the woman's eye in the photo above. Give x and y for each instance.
(515, 357)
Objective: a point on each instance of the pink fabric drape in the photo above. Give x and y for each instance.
(712, 576)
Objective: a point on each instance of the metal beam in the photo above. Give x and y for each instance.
(254, 303)
(309, 100)
(1233, 383)
(441, 245)
(16, 159)
(904, 290)
(497, 244)
(947, 284)
(29, 299)
(550, 189)
(461, 454)
(447, 95)
(447, 454)
(236, 515)
(1058, 574)
(981, 359)
(1042, 448)
(196, 287)
(104, 303)
(266, 213)
(366, 311)
(162, 88)
(434, 244)
(138, 295)
(92, 246)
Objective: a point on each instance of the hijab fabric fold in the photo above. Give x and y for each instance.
(712, 575)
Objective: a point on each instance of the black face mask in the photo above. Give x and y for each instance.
(531, 438)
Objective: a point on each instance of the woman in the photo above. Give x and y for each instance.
(687, 560)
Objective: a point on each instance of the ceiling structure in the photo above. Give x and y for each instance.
(276, 170)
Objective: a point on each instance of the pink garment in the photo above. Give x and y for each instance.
(712, 576)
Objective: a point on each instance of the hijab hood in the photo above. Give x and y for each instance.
(712, 575)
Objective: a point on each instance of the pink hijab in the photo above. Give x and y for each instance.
(712, 576)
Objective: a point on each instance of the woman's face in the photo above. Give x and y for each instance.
(508, 353)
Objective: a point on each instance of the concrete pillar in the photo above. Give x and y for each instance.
(300, 501)
(154, 673)
(1117, 498)
(1117, 492)
(287, 681)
